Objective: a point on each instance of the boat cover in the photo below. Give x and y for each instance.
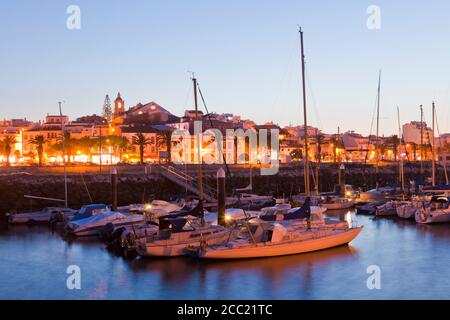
(304, 212)
(104, 218)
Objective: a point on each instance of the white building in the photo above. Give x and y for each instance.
(412, 133)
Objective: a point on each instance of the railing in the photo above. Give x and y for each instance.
(183, 179)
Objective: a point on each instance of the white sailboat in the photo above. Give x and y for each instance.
(277, 240)
(436, 211)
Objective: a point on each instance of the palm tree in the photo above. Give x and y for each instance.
(165, 139)
(7, 142)
(39, 141)
(124, 146)
(68, 145)
(141, 141)
(395, 142)
(85, 144)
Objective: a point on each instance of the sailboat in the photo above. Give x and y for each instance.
(436, 211)
(177, 232)
(273, 240)
(270, 237)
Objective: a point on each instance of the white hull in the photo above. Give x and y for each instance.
(339, 205)
(425, 216)
(261, 250)
(171, 248)
(407, 211)
(38, 216)
(95, 228)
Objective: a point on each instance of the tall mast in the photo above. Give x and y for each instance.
(400, 136)
(421, 141)
(199, 145)
(433, 164)
(318, 161)
(378, 126)
(64, 156)
(305, 118)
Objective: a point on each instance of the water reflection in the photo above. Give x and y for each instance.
(403, 249)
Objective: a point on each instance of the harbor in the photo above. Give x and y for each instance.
(175, 166)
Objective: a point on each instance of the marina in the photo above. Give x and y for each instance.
(199, 152)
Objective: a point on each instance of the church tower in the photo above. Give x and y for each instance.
(119, 106)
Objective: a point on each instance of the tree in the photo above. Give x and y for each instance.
(39, 141)
(7, 142)
(395, 142)
(165, 139)
(141, 141)
(85, 144)
(69, 143)
(124, 146)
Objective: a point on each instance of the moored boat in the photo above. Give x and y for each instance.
(436, 211)
(277, 240)
(93, 226)
(337, 203)
(42, 216)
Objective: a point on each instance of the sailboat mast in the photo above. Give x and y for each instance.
(66, 204)
(421, 141)
(433, 156)
(200, 167)
(400, 136)
(378, 125)
(305, 118)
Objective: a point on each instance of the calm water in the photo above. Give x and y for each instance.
(414, 262)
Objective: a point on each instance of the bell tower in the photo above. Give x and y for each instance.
(119, 106)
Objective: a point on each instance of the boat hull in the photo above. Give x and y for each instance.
(425, 217)
(338, 206)
(291, 248)
(179, 249)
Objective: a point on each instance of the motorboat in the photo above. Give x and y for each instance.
(270, 240)
(42, 216)
(84, 212)
(437, 210)
(337, 203)
(94, 225)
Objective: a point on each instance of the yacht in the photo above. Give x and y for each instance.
(270, 240)
(436, 211)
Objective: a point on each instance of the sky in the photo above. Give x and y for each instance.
(245, 55)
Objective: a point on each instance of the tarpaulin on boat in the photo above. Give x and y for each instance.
(197, 211)
(304, 212)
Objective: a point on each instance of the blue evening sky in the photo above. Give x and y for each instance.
(245, 54)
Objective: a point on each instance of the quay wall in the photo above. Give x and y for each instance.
(137, 184)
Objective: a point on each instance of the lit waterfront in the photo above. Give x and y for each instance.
(413, 259)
